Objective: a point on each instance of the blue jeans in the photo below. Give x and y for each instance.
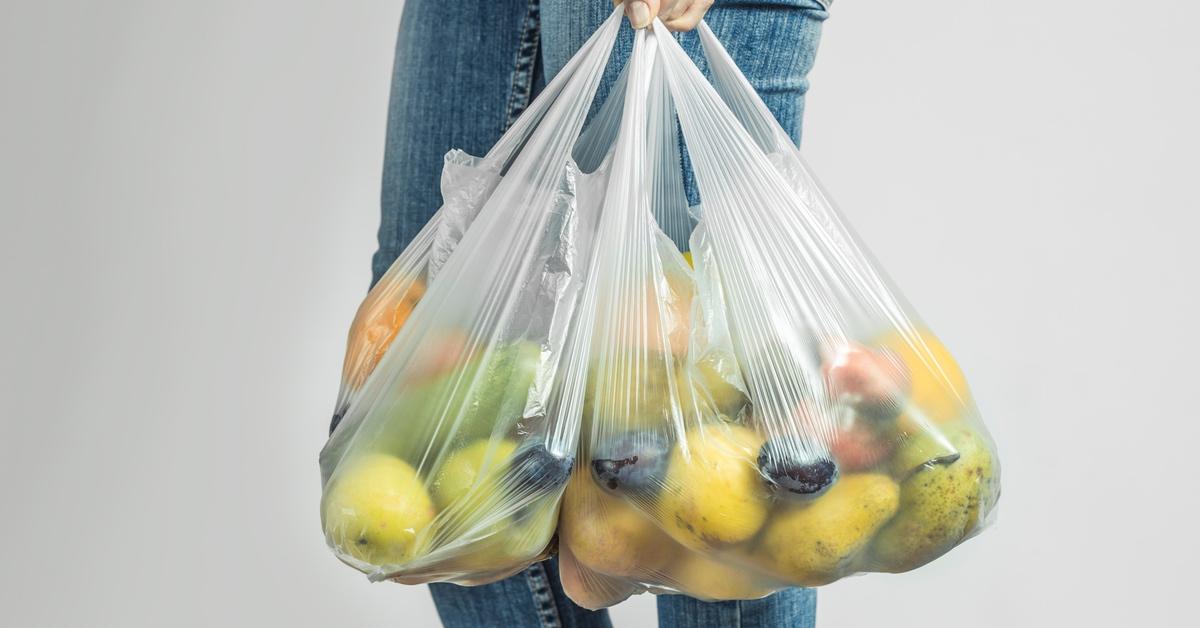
(464, 71)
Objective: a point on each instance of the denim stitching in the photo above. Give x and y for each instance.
(543, 597)
(525, 63)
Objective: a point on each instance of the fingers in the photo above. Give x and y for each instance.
(673, 8)
(641, 12)
(678, 15)
(687, 19)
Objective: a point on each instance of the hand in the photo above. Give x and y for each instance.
(677, 15)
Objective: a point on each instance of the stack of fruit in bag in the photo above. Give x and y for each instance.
(760, 412)
(681, 489)
(449, 454)
(775, 417)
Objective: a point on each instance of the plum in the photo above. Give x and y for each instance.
(538, 468)
(788, 467)
(631, 461)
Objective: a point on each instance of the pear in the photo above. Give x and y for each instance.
(588, 588)
(489, 522)
(608, 534)
(482, 464)
(815, 543)
(713, 494)
(927, 448)
(699, 576)
(716, 386)
(506, 546)
(374, 508)
(630, 392)
(940, 504)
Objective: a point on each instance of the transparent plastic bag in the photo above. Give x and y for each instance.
(777, 416)
(450, 451)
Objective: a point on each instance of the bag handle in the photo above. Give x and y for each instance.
(774, 263)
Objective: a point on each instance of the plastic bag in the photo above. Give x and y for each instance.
(451, 453)
(776, 417)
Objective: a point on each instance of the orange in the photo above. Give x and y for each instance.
(939, 387)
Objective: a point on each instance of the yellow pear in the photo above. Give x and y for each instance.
(815, 543)
(713, 494)
(608, 534)
(705, 578)
(939, 388)
(374, 509)
(714, 381)
(480, 464)
(588, 588)
(507, 545)
(940, 505)
(930, 446)
(630, 392)
(481, 529)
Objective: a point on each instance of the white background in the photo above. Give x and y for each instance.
(189, 195)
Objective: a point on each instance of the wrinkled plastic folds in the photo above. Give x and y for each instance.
(761, 412)
(449, 453)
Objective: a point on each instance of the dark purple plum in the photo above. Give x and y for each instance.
(791, 472)
(537, 470)
(632, 462)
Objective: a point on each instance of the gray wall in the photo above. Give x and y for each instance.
(189, 196)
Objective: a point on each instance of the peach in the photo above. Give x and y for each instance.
(861, 446)
(875, 382)
(379, 318)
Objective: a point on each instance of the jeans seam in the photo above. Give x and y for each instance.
(543, 597)
(525, 64)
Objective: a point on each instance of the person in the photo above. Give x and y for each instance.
(464, 71)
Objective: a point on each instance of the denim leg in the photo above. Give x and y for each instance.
(531, 599)
(790, 608)
(463, 70)
(773, 42)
